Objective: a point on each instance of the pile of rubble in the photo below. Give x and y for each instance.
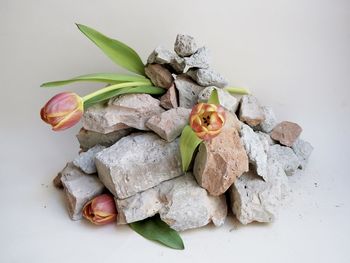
(130, 147)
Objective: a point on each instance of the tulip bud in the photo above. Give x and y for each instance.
(63, 110)
(207, 120)
(100, 210)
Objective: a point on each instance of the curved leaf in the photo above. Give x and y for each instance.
(189, 141)
(117, 51)
(239, 91)
(111, 78)
(155, 229)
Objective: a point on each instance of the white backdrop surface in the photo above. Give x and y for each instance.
(293, 55)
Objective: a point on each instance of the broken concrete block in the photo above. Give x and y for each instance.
(86, 160)
(200, 59)
(303, 150)
(250, 111)
(207, 77)
(286, 133)
(286, 157)
(185, 45)
(159, 75)
(188, 91)
(169, 99)
(270, 120)
(169, 58)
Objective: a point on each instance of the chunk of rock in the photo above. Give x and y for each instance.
(79, 188)
(180, 202)
(250, 111)
(207, 77)
(256, 148)
(138, 162)
(88, 139)
(185, 45)
(159, 75)
(86, 160)
(188, 91)
(169, 99)
(226, 100)
(303, 150)
(200, 59)
(221, 160)
(169, 124)
(166, 57)
(264, 137)
(253, 199)
(286, 157)
(286, 133)
(270, 120)
(131, 110)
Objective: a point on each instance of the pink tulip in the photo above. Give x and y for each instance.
(100, 210)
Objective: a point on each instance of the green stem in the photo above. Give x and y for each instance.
(235, 90)
(117, 86)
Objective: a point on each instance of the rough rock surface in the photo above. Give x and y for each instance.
(270, 120)
(180, 202)
(200, 59)
(79, 188)
(286, 133)
(169, 124)
(264, 137)
(207, 77)
(169, 99)
(220, 161)
(250, 111)
(185, 45)
(253, 199)
(163, 56)
(88, 139)
(256, 148)
(86, 160)
(303, 150)
(286, 157)
(159, 75)
(228, 101)
(138, 162)
(131, 110)
(188, 91)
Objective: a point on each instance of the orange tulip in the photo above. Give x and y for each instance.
(207, 120)
(63, 111)
(100, 210)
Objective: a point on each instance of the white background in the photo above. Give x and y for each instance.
(293, 55)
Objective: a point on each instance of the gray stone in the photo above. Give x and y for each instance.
(257, 148)
(159, 75)
(303, 150)
(264, 137)
(138, 162)
(166, 57)
(185, 45)
(188, 91)
(180, 202)
(200, 59)
(169, 124)
(250, 111)
(207, 77)
(286, 157)
(88, 139)
(86, 160)
(169, 99)
(79, 188)
(131, 110)
(270, 120)
(228, 101)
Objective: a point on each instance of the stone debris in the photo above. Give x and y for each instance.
(169, 99)
(169, 124)
(257, 148)
(264, 137)
(138, 162)
(88, 139)
(221, 160)
(286, 133)
(169, 58)
(86, 160)
(207, 77)
(250, 111)
(200, 59)
(185, 45)
(286, 157)
(188, 91)
(303, 150)
(228, 101)
(79, 188)
(270, 120)
(180, 202)
(159, 75)
(131, 110)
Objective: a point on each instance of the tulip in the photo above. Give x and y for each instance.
(63, 110)
(207, 120)
(100, 210)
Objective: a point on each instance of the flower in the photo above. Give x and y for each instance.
(100, 210)
(63, 110)
(207, 120)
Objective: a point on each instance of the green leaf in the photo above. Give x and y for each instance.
(239, 91)
(117, 51)
(189, 141)
(155, 229)
(111, 78)
(214, 97)
(129, 90)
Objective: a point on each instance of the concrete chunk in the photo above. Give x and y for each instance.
(303, 150)
(185, 45)
(169, 99)
(250, 111)
(200, 59)
(207, 77)
(86, 160)
(188, 91)
(286, 157)
(270, 120)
